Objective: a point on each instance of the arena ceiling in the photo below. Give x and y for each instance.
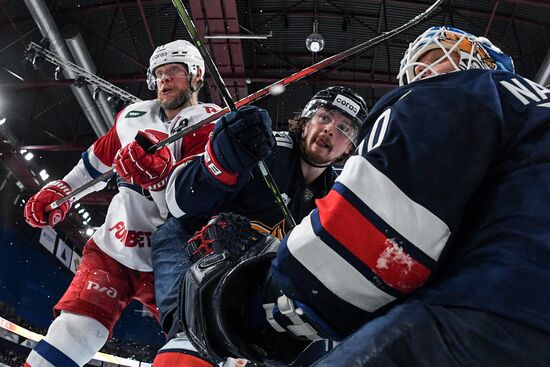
(43, 116)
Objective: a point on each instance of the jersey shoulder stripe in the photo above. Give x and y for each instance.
(385, 257)
(412, 221)
(345, 196)
(287, 266)
(91, 162)
(323, 262)
(349, 256)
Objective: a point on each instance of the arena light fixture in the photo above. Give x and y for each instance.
(2, 121)
(315, 42)
(29, 156)
(44, 175)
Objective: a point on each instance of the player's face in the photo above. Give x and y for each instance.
(442, 67)
(172, 86)
(327, 136)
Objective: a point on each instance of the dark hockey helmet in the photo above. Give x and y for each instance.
(338, 98)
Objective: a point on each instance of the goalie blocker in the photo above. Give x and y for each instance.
(229, 307)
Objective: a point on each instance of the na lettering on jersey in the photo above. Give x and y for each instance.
(527, 91)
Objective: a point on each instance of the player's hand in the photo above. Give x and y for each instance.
(240, 140)
(149, 170)
(35, 210)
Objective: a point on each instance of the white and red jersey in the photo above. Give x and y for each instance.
(132, 216)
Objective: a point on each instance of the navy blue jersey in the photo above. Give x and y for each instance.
(194, 195)
(448, 201)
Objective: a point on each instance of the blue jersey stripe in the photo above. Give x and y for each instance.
(298, 283)
(54, 355)
(349, 257)
(91, 170)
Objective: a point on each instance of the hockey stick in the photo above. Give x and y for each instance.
(259, 94)
(222, 88)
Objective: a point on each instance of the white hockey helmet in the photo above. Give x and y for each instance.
(475, 53)
(179, 51)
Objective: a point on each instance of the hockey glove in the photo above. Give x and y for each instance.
(35, 209)
(240, 140)
(225, 231)
(216, 300)
(137, 166)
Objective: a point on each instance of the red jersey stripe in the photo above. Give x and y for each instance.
(358, 235)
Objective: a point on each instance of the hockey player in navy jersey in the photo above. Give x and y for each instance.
(432, 247)
(225, 180)
(116, 264)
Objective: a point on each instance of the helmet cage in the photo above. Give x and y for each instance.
(474, 52)
(177, 52)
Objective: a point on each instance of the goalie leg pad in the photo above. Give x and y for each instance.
(195, 302)
(216, 307)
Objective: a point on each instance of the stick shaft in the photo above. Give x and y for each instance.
(222, 88)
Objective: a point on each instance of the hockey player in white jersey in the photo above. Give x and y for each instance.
(116, 263)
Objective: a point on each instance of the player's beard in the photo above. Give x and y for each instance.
(312, 159)
(178, 102)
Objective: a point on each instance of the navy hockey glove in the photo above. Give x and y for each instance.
(240, 140)
(225, 231)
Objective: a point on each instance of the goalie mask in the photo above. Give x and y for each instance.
(475, 53)
(341, 99)
(179, 51)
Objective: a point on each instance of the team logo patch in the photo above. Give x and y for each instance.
(278, 230)
(134, 114)
(346, 104)
(308, 194)
(180, 125)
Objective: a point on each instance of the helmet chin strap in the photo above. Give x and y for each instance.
(190, 80)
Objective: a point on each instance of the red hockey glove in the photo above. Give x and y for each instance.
(148, 170)
(35, 210)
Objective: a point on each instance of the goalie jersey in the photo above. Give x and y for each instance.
(468, 226)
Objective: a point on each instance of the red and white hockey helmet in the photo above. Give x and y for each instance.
(475, 53)
(179, 51)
